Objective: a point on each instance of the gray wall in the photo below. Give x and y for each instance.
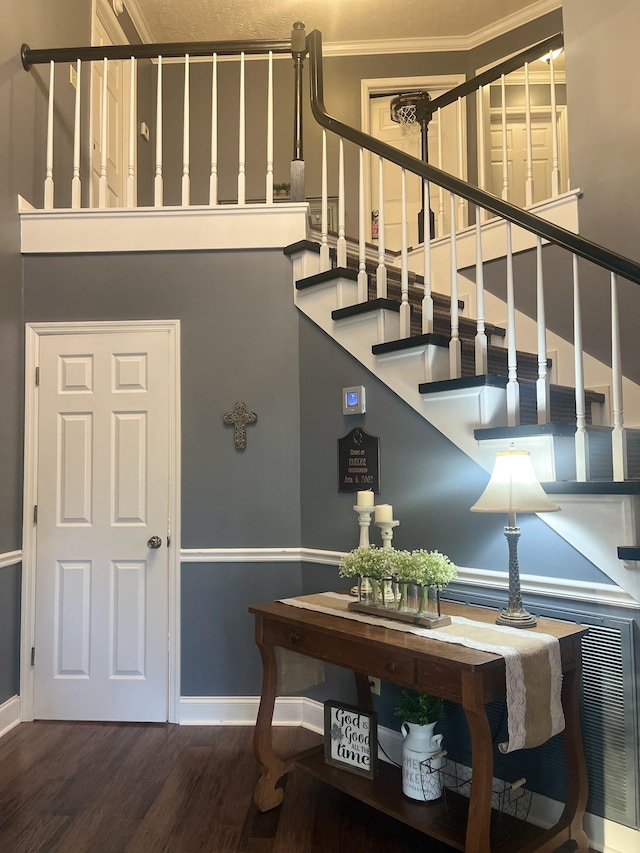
(22, 145)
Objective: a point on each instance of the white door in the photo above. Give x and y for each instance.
(541, 150)
(103, 462)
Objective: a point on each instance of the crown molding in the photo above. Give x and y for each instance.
(444, 44)
(139, 21)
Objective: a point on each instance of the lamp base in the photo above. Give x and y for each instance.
(516, 619)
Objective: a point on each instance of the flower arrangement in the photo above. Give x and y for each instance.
(427, 569)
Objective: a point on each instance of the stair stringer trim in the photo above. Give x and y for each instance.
(616, 519)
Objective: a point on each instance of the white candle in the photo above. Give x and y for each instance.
(364, 498)
(384, 512)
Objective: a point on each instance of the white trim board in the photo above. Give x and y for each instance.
(551, 587)
(165, 229)
(27, 639)
(9, 715)
(10, 558)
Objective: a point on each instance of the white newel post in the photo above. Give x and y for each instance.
(381, 271)
(242, 176)
(48, 178)
(342, 240)
(76, 185)
(131, 170)
(213, 174)
(455, 349)
(481, 335)
(513, 390)
(543, 401)
(104, 114)
(158, 189)
(427, 299)
(405, 308)
(362, 259)
(618, 436)
(269, 184)
(186, 180)
(582, 436)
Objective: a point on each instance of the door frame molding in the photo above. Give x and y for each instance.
(33, 333)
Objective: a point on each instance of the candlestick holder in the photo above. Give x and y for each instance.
(364, 520)
(386, 532)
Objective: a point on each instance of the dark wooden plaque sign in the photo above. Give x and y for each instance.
(358, 461)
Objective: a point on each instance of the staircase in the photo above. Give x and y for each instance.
(470, 410)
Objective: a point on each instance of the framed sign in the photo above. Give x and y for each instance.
(358, 461)
(351, 738)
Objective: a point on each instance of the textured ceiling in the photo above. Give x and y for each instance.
(338, 20)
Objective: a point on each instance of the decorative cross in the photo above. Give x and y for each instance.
(240, 417)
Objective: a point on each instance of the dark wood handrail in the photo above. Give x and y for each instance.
(574, 243)
(150, 51)
(537, 51)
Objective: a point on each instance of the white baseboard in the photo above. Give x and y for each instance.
(604, 835)
(9, 715)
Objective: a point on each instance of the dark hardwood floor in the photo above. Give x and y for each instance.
(111, 788)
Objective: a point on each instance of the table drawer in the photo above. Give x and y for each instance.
(393, 665)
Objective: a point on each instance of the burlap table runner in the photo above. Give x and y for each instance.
(532, 665)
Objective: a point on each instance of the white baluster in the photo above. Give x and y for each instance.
(462, 209)
(405, 308)
(505, 148)
(213, 174)
(513, 389)
(528, 188)
(381, 271)
(363, 293)
(543, 402)
(242, 178)
(76, 185)
(131, 171)
(555, 168)
(48, 178)
(482, 154)
(325, 255)
(441, 226)
(582, 436)
(269, 188)
(481, 335)
(158, 188)
(427, 299)
(186, 180)
(342, 240)
(455, 349)
(618, 436)
(104, 112)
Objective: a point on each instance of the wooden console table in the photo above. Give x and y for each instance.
(471, 678)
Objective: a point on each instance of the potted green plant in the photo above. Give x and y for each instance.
(420, 712)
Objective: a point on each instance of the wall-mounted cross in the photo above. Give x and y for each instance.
(240, 417)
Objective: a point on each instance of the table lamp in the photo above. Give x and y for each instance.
(512, 488)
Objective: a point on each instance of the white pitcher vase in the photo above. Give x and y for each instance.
(419, 744)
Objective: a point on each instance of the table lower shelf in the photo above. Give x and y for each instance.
(384, 793)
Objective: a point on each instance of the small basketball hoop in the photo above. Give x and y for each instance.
(408, 110)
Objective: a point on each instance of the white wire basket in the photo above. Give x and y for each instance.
(510, 801)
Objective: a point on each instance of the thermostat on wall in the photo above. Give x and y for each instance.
(353, 400)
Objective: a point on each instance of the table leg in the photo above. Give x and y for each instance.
(266, 795)
(577, 780)
(479, 821)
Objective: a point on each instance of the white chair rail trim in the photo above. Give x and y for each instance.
(10, 558)
(576, 590)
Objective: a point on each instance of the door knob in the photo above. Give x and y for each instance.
(154, 542)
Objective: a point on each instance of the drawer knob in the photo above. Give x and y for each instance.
(391, 666)
(295, 639)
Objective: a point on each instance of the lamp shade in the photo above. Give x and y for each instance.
(514, 487)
